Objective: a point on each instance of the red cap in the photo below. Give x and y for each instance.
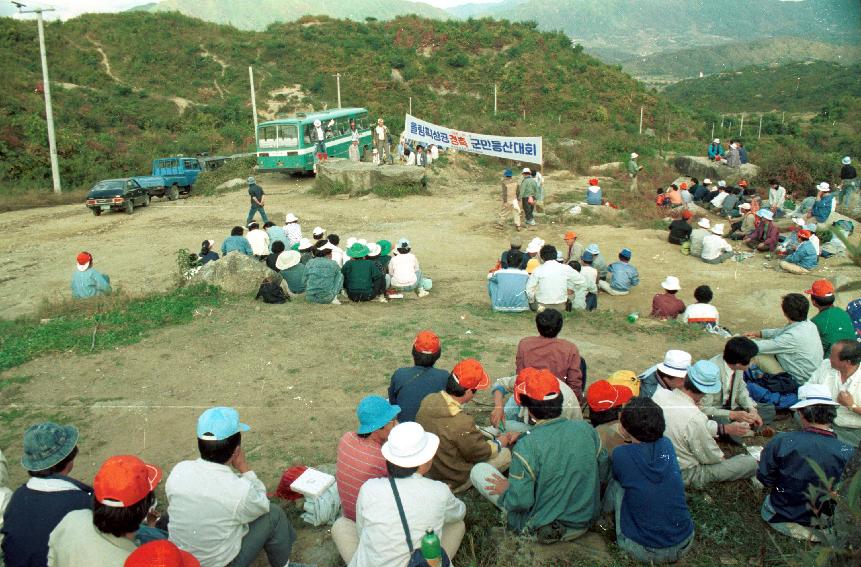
(821, 288)
(603, 396)
(125, 480)
(426, 342)
(805, 234)
(84, 258)
(570, 235)
(593, 181)
(160, 553)
(687, 215)
(537, 385)
(683, 186)
(470, 374)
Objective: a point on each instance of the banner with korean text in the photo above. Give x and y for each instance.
(518, 149)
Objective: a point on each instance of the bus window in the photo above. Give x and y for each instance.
(267, 136)
(278, 136)
(342, 127)
(308, 128)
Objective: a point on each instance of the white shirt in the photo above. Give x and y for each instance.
(403, 268)
(259, 241)
(411, 159)
(714, 246)
(5, 491)
(831, 378)
(210, 507)
(550, 282)
(428, 504)
(381, 132)
(337, 254)
(76, 542)
(590, 273)
(293, 231)
(701, 313)
(434, 152)
(687, 427)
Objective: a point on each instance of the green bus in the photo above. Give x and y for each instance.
(285, 144)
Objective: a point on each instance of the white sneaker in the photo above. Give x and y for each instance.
(383, 299)
(336, 302)
(422, 292)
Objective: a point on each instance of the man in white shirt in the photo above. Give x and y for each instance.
(548, 286)
(404, 270)
(427, 504)
(258, 239)
(337, 254)
(700, 459)
(716, 250)
(222, 518)
(841, 372)
(731, 409)
(381, 141)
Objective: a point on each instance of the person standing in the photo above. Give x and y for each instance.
(381, 144)
(848, 183)
(256, 193)
(354, 141)
(633, 171)
(528, 192)
(510, 203)
(87, 281)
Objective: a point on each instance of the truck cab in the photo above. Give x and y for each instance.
(179, 174)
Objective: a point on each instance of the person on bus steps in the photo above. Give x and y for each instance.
(318, 136)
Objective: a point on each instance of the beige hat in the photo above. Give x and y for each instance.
(535, 246)
(717, 229)
(634, 155)
(287, 260)
(671, 283)
(705, 223)
(707, 181)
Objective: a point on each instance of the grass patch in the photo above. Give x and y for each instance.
(327, 188)
(101, 323)
(208, 181)
(18, 200)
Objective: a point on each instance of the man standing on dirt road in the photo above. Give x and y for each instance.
(528, 192)
(255, 191)
(510, 203)
(381, 137)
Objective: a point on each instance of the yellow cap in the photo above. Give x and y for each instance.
(625, 378)
(532, 264)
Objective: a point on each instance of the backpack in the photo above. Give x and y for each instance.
(845, 226)
(271, 292)
(854, 311)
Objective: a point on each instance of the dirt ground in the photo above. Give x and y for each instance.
(296, 371)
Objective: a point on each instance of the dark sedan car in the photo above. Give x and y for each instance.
(116, 195)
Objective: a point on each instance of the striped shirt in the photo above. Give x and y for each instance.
(358, 460)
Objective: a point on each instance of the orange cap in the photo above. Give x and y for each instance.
(125, 480)
(805, 234)
(603, 396)
(687, 215)
(84, 258)
(426, 342)
(570, 235)
(821, 288)
(683, 186)
(160, 553)
(537, 385)
(470, 374)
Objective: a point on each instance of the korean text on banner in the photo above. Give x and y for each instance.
(520, 149)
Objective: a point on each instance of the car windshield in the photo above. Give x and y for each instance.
(112, 184)
(278, 136)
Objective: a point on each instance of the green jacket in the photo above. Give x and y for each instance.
(556, 471)
(361, 275)
(633, 168)
(295, 278)
(833, 324)
(528, 188)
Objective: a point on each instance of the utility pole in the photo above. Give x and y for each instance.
(49, 111)
(741, 126)
(494, 99)
(759, 133)
(411, 106)
(253, 101)
(338, 82)
(713, 131)
(641, 120)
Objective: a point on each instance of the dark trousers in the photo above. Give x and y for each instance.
(591, 301)
(528, 208)
(361, 296)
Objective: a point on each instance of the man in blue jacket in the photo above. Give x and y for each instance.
(715, 149)
(804, 258)
(822, 206)
(87, 281)
(236, 242)
(622, 274)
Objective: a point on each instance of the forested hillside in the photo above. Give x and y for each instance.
(129, 87)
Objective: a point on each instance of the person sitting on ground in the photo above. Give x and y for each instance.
(794, 349)
(332, 242)
(552, 490)
(594, 195)
(722, 193)
(834, 324)
(590, 274)
(207, 254)
(533, 249)
(698, 235)
(514, 257)
(292, 270)
(5, 493)
(785, 467)
(323, 279)
(661, 197)
(560, 356)
(37, 506)
(586, 298)
(507, 288)
(674, 196)
(623, 276)
(575, 250)
(715, 149)
(804, 258)
(236, 242)
(292, 229)
(87, 281)
(732, 156)
(272, 257)
(306, 249)
(605, 403)
(700, 190)
(509, 415)
(385, 257)
(702, 312)
(841, 372)
(765, 236)
(598, 261)
(647, 494)
(382, 284)
(549, 285)
(405, 271)
(687, 197)
(716, 250)
(728, 208)
(700, 459)
(160, 553)
(104, 536)
(220, 517)
(680, 229)
(745, 226)
(410, 385)
(362, 277)
(462, 445)
(258, 240)
(731, 410)
(823, 206)
(667, 305)
(406, 500)
(360, 459)
(275, 234)
(669, 374)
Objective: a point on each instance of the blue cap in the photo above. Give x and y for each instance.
(593, 249)
(587, 256)
(374, 412)
(706, 377)
(217, 424)
(626, 253)
(46, 444)
(507, 173)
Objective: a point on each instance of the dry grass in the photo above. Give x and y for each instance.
(17, 201)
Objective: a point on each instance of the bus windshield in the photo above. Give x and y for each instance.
(278, 136)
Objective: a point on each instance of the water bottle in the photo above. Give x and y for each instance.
(632, 317)
(431, 549)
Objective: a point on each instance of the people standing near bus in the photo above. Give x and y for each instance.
(354, 141)
(255, 191)
(319, 135)
(381, 136)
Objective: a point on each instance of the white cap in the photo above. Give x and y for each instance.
(812, 395)
(671, 283)
(318, 230)
(352, 240)
(824, 187)
(799, 221)
(291, 218)
(718, 229)
(409, 445)
(705, 223)
(707, 181)
(716, 141)
(634, 155)
(305, 244)
(317, 123)
(676, 363)
(745, 206)
(526, 170)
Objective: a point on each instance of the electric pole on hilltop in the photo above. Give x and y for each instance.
(49, 112)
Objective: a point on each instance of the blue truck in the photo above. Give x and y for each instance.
(171, 177)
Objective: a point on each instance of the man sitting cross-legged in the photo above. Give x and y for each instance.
(548, 351)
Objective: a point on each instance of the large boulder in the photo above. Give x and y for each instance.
(236, 182)
(234, 273)
(606, 167)
(361, 177)
(701, 167)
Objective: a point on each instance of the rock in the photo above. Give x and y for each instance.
(701, 167)
(236, 182)
(234, 273)
(361, 177)
(604, 167)
(650, 132)
(551, 159)
(569, 142)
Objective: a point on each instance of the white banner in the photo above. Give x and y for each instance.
(518, 149)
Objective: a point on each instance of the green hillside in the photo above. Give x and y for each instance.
(258, 14)
(180, 85)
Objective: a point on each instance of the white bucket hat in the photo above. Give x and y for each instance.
(318, 230)
(716, 141)
(721, 183)
(287, 260)
(707, 181)
(291, 218)
(317, 124)
(812, 395)
(745, 206)
(824, 187)
(671, 283)
(705, 223)
(409, 445)
(374, 249)
(534, 246)
(305, 244)
(676, 363)
(634, 155)
(765, 214)
(352, 240)
(846, 160)
(717, 229)
(526, 170)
